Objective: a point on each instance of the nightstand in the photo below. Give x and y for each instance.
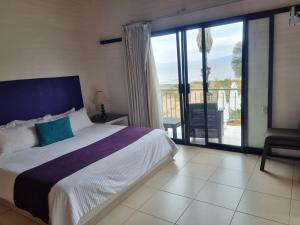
(112, 119)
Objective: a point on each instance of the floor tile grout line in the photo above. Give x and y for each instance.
(216, 182)
(257, 163)
(244, 190)
(139, 209)
(191, 198)
(232, 218)
(142, 212)
(213, 204)
(191, 202)
(194, 199)
(143, 202)
(127, 219)
(148, 214)
(274, 195)
(263, 218)
(184, 211)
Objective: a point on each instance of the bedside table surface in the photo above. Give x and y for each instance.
(109, 117)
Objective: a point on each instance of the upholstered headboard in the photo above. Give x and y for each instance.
(27, 99)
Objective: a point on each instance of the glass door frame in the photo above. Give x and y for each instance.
(181, 83)
(182, 70)
(243, 85)
(205, 87)
(184, 86)
(181, 86)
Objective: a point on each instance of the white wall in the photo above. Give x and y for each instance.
(286, 88)
(42, 38)
(258, 74)
(112, 14)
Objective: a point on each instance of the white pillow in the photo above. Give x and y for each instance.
(17, 138)
(31, 122)
(8, 125)
(59, 116)
(79, 120)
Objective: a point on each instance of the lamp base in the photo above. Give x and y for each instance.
(103, 113)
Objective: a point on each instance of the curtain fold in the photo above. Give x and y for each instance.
(143, 87)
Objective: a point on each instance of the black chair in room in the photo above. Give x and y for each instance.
(280, 138)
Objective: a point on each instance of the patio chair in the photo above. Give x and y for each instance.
(280, 138)
(215, 123)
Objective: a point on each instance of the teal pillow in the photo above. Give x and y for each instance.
(54, 131)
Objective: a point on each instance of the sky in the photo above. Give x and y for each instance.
(219, 58)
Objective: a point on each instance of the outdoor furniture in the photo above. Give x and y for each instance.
(215, 123)
(172, 123)
(280, 138)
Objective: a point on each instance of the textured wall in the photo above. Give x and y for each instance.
(42, 38)
(286, 90)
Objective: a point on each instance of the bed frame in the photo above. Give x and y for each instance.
(33, 98)
(27, 99)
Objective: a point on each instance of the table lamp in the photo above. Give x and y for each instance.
(100, 101)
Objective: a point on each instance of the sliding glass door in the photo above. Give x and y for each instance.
(200, 76)
(224, 83)
(166, 50)
(194, 75)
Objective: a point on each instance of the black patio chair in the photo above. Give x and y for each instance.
(215, 123)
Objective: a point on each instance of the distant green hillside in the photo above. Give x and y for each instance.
(220, 84)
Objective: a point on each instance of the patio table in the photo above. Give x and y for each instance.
(172, 123)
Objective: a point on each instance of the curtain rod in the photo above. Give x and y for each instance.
(110, 41)
(182, 11)
(251, 15)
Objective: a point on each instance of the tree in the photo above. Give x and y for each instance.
(236, 62)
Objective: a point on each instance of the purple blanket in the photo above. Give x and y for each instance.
(32, 187)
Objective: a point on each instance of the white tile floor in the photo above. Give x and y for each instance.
(208, 187)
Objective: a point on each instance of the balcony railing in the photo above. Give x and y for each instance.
(228, 100)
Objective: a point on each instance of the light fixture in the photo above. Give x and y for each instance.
(294, 17)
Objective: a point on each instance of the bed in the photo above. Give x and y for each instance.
(127, 157)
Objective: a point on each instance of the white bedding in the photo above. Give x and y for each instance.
(95, 185)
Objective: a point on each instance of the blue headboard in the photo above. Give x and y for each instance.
(27, 99)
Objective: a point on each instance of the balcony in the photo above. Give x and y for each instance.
(227, 101)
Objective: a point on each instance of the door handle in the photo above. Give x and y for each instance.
(206, 87)
(188, 89)
(181, 89)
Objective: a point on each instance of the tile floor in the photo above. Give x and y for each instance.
(208, 187)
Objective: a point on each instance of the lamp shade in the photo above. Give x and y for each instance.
(100, 98)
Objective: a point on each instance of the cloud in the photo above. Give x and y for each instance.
(224, 39)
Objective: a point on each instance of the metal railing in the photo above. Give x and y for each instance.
(228, 100)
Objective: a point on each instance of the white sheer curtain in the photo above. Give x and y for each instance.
(143, 88)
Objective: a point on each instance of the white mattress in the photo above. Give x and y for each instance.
(95, 185)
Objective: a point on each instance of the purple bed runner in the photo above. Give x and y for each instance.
(32, 187)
